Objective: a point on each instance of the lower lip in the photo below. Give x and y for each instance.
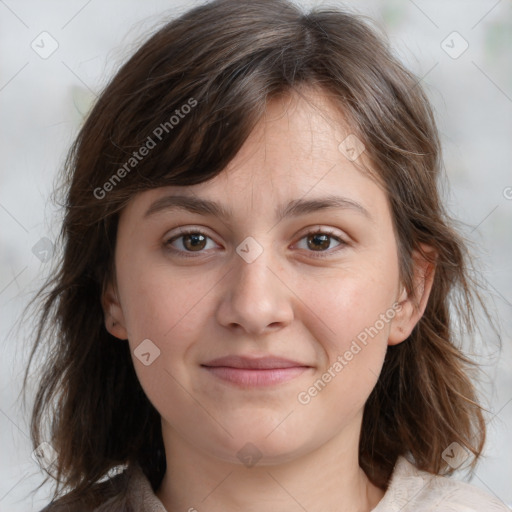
(256, 377)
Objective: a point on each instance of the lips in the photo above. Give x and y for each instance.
(249, 372)
(260, 363)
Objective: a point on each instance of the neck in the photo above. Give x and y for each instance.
(328, 478)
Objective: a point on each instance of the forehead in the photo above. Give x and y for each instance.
(300, 129)
(302, 147)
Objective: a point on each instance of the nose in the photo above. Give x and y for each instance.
(256, 298)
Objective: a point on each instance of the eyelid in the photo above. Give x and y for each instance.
(332, 233)
(319, 228)
(308, 231)
(179, 232)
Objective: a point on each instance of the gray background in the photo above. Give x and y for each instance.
(42, 102)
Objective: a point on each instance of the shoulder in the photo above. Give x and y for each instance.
(127, 491)
(413, 490)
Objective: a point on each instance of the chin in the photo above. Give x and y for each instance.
(250, 446)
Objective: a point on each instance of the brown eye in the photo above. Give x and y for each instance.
(190, 241)
(318, 241)
(194, 241)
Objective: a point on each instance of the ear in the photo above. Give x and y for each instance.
(412, 303)
(114, 318)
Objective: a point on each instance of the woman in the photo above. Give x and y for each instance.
(252, 307)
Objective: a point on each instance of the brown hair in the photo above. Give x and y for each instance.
(226, 59)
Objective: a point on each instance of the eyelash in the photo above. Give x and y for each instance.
(319, 254)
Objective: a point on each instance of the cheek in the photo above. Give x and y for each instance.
(350, 304)
(171, 309)
(166, 309)
(158, 301)
(351, 319)
(354, 348)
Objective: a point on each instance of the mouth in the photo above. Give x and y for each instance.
(255, 372)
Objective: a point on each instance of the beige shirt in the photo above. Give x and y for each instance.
(409, 490)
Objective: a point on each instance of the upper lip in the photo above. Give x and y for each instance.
(267, 362)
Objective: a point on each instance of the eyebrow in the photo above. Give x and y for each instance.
(295, 207)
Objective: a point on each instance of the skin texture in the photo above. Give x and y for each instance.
(288, 302)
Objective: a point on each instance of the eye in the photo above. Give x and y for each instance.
(319, 241)
(193, 240)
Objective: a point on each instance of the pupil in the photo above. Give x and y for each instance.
(196, 242)
(324, 241)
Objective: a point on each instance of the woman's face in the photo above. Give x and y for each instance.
(302, 320)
